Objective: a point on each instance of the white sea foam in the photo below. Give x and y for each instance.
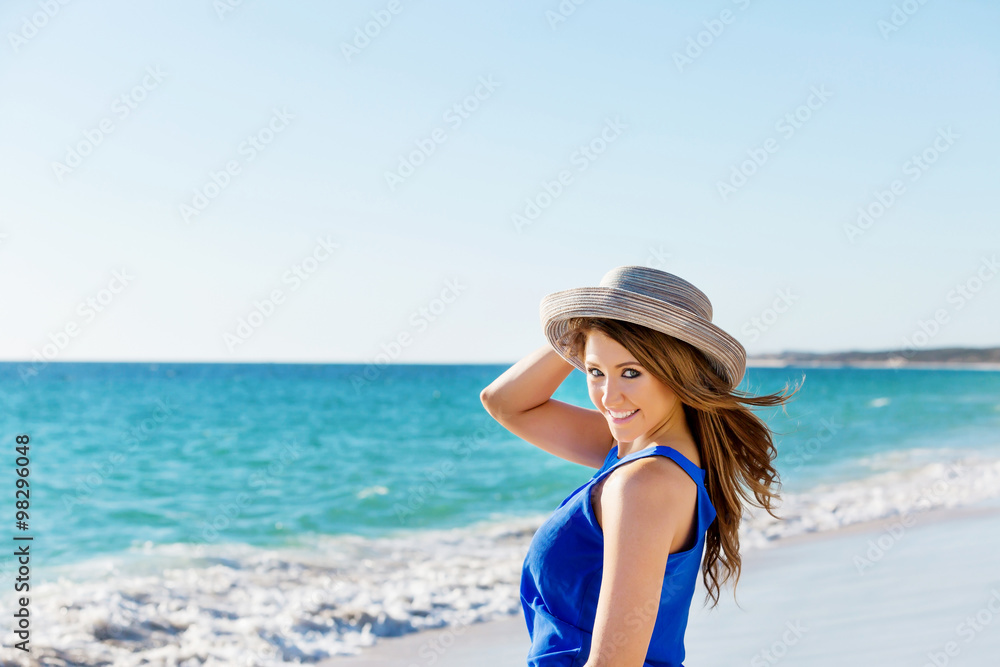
(900, 491)
(372, 490)
(909, 459)
(239, 605)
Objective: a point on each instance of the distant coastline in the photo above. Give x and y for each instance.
(956, 358)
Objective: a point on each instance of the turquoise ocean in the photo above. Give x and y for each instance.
(269, 513)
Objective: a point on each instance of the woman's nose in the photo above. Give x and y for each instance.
(612, 393)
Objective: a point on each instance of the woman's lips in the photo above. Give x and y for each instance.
(615, 420)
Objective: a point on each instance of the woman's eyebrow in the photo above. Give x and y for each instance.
(624, 363)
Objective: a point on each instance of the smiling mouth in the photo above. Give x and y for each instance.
(625, 416)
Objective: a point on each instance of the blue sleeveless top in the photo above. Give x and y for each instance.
(562, 573)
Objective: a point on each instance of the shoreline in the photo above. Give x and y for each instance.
(889, 365)
(983, 508)
(505, 641)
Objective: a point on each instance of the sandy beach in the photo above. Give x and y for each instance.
(923, 593)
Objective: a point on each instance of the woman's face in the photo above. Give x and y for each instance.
(618, 385)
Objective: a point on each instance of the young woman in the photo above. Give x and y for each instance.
(608, 578)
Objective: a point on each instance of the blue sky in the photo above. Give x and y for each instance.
(169, 170)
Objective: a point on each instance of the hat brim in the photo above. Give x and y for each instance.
(724, 352)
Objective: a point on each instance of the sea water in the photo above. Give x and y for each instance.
(260, 513)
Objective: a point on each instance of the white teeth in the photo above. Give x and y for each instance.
(620, 415)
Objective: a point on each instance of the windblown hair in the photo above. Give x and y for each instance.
(735, 444)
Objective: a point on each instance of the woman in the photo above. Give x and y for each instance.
(608, 578)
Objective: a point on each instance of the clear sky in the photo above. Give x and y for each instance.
(168, 170)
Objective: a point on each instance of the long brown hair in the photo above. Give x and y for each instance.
(735, 444)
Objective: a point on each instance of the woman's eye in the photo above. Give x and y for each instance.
(627, 370)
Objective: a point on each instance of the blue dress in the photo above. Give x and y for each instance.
(562, 572)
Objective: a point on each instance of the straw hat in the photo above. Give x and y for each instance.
(654, 299)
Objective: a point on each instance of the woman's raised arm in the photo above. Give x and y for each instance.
(521, 401)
